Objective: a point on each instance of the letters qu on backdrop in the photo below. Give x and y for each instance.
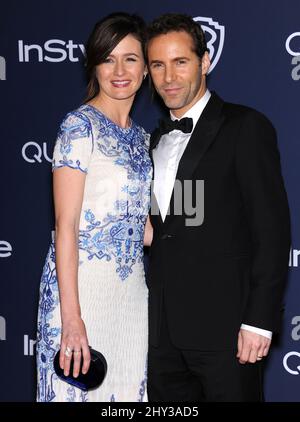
(255, 51)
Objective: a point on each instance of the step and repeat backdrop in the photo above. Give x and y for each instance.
(255, 51)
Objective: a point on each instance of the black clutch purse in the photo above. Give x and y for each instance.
(92, 379)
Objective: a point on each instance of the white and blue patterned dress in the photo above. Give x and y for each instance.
(112, 291)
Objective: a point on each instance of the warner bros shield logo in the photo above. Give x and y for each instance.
(215, 35)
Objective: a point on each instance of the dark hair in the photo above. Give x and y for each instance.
(170, 22)
(106, 35)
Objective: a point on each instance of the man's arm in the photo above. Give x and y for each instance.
(265, 203)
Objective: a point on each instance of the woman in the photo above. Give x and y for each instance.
(93, 289)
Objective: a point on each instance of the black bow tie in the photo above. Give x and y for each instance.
(167, 125)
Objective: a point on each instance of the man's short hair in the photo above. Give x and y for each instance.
(171, 22)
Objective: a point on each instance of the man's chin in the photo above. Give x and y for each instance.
(172, 104)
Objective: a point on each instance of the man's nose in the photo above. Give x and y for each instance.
(169, 74)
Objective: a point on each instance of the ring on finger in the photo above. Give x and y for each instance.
(68, 351)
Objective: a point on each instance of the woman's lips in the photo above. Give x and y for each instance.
(120, 84)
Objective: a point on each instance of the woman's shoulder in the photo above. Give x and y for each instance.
(75, 118)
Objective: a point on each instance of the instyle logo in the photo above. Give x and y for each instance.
(294, 258)
(2, 328)
(292, 46)
(215, 36)
(5, 249)
(32, 152)
(291, 363)
(2, 69)
(54, 51)
(28, 346)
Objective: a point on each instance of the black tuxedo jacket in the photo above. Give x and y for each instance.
(231, 269)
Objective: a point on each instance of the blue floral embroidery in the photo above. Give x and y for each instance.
(75, 127)
(143, 386)
(47, 337)
(117, 236)
(71, 395)
(142, 389)
(84, 396)
(129, 146)
(120, 233)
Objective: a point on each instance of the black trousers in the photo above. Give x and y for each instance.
(200, 376)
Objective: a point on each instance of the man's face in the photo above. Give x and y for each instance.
(177, 72)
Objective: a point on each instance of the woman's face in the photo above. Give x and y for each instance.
(121, 74)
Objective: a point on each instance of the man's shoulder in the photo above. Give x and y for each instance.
(242, 113)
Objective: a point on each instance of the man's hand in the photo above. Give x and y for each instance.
(252, 346)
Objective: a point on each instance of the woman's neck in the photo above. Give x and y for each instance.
(115, 110)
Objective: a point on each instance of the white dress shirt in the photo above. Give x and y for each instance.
(166, 158)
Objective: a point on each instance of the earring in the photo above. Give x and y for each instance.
(145, 74)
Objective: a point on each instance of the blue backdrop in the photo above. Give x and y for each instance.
(255, 48)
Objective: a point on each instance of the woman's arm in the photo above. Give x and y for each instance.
(68, 188)
(148, 234)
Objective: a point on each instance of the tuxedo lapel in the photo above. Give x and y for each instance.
(154, 209)
(203, 136)
(154, 139)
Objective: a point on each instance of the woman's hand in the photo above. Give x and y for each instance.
(74, 344)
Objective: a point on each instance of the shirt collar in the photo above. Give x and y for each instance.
(197, 109)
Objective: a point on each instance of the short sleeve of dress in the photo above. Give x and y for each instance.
(74, 143)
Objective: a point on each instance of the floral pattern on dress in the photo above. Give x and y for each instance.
(120, 234)
(47, 335)
(75, 127)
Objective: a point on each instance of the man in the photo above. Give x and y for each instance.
(216, 279)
